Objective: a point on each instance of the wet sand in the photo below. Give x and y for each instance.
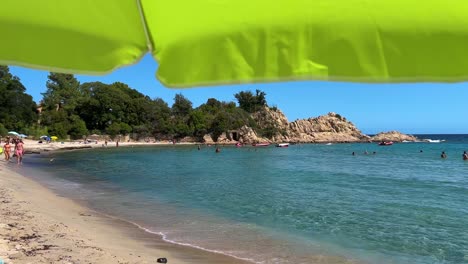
(38, 226)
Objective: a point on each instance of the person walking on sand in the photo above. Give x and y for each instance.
(465, 155)
(443, 155)
(19, 151)
(7, 149)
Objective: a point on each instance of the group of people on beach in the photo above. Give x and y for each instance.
(443, 155)
(18, 150)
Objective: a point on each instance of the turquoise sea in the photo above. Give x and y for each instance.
(299, 204)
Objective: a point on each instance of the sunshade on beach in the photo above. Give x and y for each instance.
(213, 42)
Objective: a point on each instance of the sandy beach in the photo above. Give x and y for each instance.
(33, 147)
(38, 226)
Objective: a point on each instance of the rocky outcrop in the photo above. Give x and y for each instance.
(270, 117)
(394, 136)
(224, 139)
(273, 126)
(248, 135)
(327, 128)
(207, 139)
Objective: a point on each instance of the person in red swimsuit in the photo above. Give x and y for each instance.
(19, 151)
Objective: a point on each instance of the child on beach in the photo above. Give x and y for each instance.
(7, 150)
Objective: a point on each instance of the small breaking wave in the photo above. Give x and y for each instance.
(428, 140)
(164, 238)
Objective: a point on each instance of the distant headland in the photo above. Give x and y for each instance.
(70, 110)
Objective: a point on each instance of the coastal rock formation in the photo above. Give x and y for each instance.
(327, 128)
(273, 126)
(270, 117)
(247, 135)
(225, 139)
(393, 136)
(207, 139)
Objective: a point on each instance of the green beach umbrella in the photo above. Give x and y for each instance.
(209, 42)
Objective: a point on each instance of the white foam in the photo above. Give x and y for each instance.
(433, 140)
(164, 238)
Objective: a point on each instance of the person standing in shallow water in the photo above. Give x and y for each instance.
(443, 155)
(465, 155)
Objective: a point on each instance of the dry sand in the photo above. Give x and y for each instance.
(38, 226)
(32, 146)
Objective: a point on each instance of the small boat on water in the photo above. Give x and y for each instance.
(282, 145)
(261, 144)
(386, 143)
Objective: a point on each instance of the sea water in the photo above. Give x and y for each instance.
(303, 204)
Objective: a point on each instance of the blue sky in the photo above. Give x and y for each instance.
(421, 108)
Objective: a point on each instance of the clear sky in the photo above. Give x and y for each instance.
(422, 108)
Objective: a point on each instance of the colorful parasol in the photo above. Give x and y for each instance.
(209, 42)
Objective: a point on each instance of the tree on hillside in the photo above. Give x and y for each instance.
(250, 102)
(108, 107)
(17, 109)
(182, 106)
(220, 117)
(63, 92)
(181, 109)
(160, 116)
(198, 123)
(60, 102)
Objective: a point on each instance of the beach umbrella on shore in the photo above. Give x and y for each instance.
(217, 42)
(53, 137)
(13, 133)
(22, 136)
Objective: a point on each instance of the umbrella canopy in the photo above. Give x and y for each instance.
(213, 42)
(43, 137)
(13, 133)
(22, 136)
(54, 137)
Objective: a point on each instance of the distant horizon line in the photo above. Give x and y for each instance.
(372, 134)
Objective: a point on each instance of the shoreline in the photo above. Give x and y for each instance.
(39, 226)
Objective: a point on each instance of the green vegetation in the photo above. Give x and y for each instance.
(75, 110)
(17, 109)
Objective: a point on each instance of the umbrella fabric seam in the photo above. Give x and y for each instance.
(145, 27)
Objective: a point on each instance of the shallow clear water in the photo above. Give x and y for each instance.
(284, 205)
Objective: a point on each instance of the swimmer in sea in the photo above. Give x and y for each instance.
(465, 155)
(443, 155)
